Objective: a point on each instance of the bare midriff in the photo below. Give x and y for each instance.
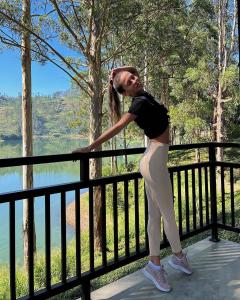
(162, 138)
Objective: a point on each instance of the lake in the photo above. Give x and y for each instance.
(44, 175)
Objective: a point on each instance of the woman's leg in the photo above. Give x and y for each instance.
(153, 270)
(153, 228)
(159, 191)
(162, 192)
(160, 187)
(154, 215)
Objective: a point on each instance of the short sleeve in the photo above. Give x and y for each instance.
(137, 107)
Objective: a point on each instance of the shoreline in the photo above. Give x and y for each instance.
(46, 137)
(70, 213)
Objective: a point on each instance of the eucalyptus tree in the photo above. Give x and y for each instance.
(226, 66)
(83, 26)
(162, 47)
(191, 86)
(28, 206)
(22, 39)
(210, 67)
(226, 75)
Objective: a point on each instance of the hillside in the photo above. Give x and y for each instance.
(52, 116)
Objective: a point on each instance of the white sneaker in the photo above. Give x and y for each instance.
(180, 264)
(158, 277)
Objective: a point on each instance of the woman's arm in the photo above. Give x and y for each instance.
(130, 69)
(111, 132)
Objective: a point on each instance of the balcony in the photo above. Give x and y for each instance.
(201, 204)
(216, 276)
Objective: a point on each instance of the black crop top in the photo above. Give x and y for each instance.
(152, 116)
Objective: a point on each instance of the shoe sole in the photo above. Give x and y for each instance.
(179, 268)
(146, 274)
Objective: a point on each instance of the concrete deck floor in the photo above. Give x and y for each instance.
(216, 276)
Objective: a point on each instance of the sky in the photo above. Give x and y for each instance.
(46, 79)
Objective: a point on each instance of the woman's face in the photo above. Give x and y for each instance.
(130, 83)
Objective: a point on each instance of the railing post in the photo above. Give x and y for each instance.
(213, 193)
(84, 169)
(86, 290)
(84, 176)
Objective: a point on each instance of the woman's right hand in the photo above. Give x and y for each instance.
(82, 150)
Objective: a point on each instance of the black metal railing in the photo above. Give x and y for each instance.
(198, 207)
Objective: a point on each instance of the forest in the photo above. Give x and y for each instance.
(186, 52)
(53, 116)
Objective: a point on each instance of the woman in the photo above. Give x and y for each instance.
(152, 117)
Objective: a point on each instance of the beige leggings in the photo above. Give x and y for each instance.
(153, 167)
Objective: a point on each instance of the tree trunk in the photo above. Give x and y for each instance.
(197, 155)
(214, 121)
(172, 135)
(165, 91)
(114, 162)
(115, 157)
(112, 158)
(26, 127)
(219, 126)
(96, 102)
(221, 67)
(96, 164)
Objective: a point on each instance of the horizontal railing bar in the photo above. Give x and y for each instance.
(55, 289)
(189, 166)
(113, 265)
(185, 236)
(228, 227)
(227, 164)
(75, 281)
(226, 145)
(41, 191)
(54, 189)
(43, 159)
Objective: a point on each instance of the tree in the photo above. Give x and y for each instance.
(227, 71)
(82, 26)
(27, 128)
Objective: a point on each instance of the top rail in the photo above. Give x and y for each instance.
(43, 159)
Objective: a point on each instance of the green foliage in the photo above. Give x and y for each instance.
(53, 116)
(194, 120)
(230, 76)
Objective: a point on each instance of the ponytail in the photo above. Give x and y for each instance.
(114, 104)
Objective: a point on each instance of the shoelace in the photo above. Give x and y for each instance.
(161, 274)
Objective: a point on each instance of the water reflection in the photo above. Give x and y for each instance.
(44, 175)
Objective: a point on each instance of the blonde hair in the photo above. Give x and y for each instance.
(114, 101)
